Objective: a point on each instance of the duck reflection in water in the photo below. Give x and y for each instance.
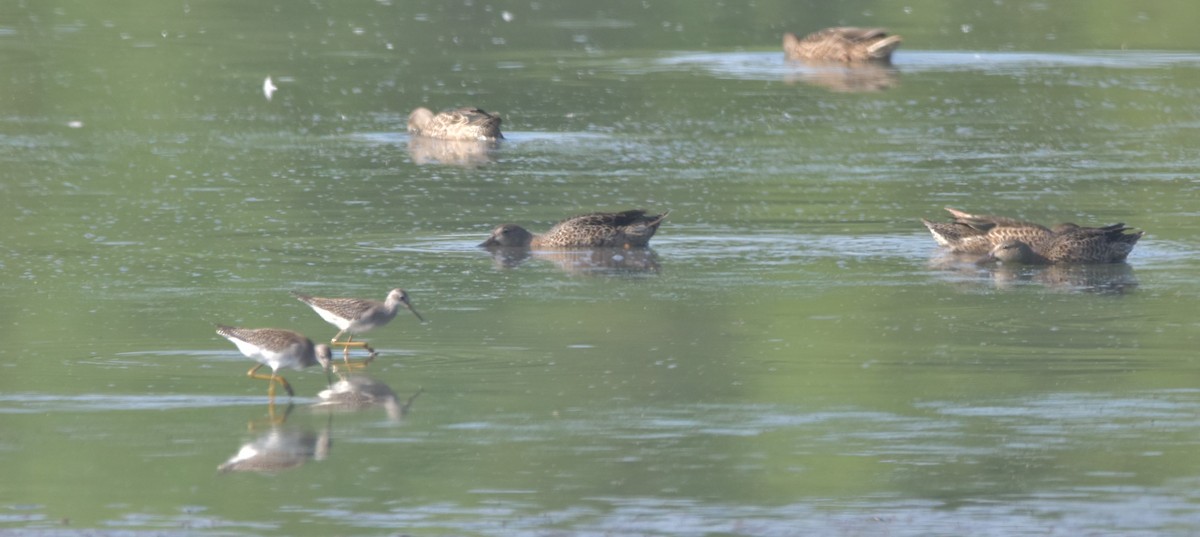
(584, 261)
(1105, 279)
(360, 392)
(865, 78)
(281, 448)
(1099, 278)
(463, 153)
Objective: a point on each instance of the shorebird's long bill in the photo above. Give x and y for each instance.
(408, 304)
(414, 311)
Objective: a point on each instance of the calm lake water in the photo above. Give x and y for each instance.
(793, 357)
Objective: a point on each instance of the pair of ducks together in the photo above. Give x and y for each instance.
(277, 348)
(1001, 238)
(1011, 240)
(845, 45)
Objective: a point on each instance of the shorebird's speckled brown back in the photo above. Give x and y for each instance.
(358, 315)
(464, 123)
(627, 229)
(842, 45)
(275, 340)
(346, 308)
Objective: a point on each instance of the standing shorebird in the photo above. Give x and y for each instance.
(276, 348)
(357, 315)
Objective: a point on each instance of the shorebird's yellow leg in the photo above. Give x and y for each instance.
(282, 381)
(277, 420)
(272, 378)
(273, 418)
(346, 351)
(350, 343)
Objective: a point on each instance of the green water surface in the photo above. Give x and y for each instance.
(794, 357)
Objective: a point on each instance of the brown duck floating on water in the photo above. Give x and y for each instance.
(1019, 241)
(466, 123)
(627, 229)
(978, 233)
(1109, 244)
(842, 44)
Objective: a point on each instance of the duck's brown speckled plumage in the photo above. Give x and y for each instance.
(1109, 244)
(627, 229)
(1020, 241)
(464, 123)
(978, 233)
(842, 45)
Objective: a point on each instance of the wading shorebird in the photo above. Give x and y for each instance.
(276, 348)
(357, 315)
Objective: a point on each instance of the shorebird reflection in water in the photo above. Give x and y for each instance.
(357, 315)
(357, 392)
(280, 448)
(276, 348)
